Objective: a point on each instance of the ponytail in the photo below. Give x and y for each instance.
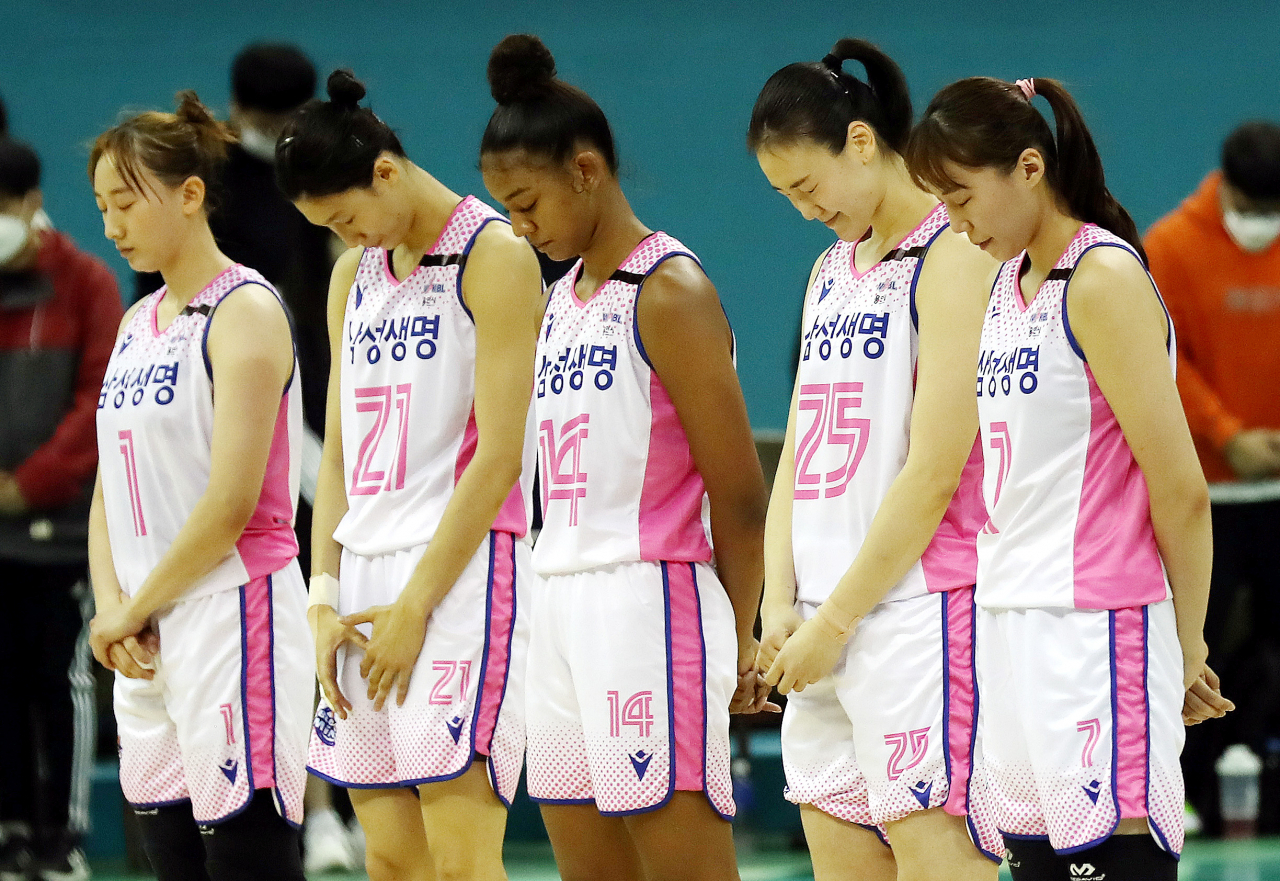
(190, 142)
(816, 101)
(982, 122)
(330, 147)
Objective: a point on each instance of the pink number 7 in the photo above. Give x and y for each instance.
(131, 477)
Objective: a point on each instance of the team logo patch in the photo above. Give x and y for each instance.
(230, 768)
(455, 727)
(324, 726)
(922, 791)
(640, 761)
(1093, 789)
(826, 289)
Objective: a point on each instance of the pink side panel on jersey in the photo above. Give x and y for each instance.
(961, 703)
(512, 516)
(1129, 660)
(268, 542)
(688, 678)
(671, 498)
(951, 559)
(259, 681)
(1117, 563)
(501, 623)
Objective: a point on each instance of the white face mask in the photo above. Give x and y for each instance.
(1252, 232)
(14, 233)
(257, 144)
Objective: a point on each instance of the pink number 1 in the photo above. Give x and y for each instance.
(131, 476)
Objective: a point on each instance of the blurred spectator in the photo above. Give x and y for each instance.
(1217, 262)
(59, 312)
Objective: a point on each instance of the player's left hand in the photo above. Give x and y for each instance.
(808, 655)
(112, 623)
(752, 692)
(1204, 699)
(392, 650)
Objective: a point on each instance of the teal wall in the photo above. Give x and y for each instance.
(1160, 82)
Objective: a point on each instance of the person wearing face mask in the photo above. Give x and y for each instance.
(1216, 258)
(59, 308)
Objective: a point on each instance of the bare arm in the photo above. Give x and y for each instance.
(502, 287)
(251, 354)
(331, 495)
(688, 340)
(1121, 328)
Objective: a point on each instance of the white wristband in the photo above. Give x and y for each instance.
(323, 591)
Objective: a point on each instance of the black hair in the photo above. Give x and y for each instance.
(19, 169)
(538, 112)
(273, 77)
(1251, 160)
(981, 122)
(330, 146)
(817, 100)
(190, 142)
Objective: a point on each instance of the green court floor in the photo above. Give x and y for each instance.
(1203, 861)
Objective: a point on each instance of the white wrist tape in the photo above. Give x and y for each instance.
(323, 591)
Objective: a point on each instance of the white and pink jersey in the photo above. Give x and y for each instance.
(1070, 517)
(408, 395)
(856, 388)
(155, 436)
(618, 480)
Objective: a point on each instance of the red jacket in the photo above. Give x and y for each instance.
(58, 325)
(1225, 304)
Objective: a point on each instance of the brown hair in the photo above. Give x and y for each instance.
(982, 122)
(173, 146)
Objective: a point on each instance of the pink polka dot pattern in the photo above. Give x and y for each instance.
(557, 764)
(151, 768)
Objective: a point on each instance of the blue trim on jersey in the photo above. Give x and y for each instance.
(635, 305)
(467, 250)
(208, 323)
(1066, 320)
(915, 276)
(1160, 837)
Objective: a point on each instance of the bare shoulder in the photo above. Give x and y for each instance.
(678, 284)
(1105, 272)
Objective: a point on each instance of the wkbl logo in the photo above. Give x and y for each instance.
(562, 471)
(325, 727)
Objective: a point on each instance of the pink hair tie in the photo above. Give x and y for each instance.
(1028, 87)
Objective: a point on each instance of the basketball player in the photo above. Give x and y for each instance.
(1093, 569)
(641, 423)
(868, 611)
(191, 543)
(421, 509)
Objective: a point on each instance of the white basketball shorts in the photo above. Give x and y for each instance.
(466, 695)
(229, 707)
(893, 730)
(1082, 722)
(631, 670)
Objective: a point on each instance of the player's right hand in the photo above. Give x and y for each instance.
(329, 634)
(777, 622)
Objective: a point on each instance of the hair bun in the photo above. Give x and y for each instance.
(521, 68)
(192, 110)
(345, 91)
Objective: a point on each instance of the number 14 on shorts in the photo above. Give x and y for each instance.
(636, 712)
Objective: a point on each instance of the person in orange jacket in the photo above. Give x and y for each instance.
(1216, 259)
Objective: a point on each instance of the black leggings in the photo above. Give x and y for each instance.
(1119, 858)
(255, 844)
